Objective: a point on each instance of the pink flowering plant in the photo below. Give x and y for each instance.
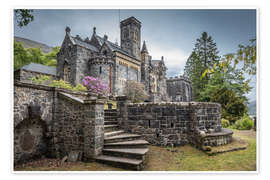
(95, 85)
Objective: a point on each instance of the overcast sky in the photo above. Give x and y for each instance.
(168, 33)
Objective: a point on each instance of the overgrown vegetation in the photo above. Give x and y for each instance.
(48, 80)
(24, 56)
(245, 123)
(225, 123)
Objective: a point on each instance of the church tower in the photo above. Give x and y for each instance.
(131, 36)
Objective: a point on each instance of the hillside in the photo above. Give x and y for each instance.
(27, 43)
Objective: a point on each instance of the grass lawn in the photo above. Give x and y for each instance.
(184, 158)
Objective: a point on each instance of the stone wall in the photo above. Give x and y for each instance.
(30, 133)
(80, 126)
(174, 123)
(55, 122)
(160, 123)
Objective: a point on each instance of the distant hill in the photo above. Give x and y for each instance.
(27, 43)
(252, 108)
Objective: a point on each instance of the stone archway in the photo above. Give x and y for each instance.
(29, 136)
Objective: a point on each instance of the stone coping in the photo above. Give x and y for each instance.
(49, 88)
(173, 103)
(89, 99)
(223, 132)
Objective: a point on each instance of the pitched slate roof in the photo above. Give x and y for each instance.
(155, 62)
(144, 48)
(84, 44)
(113, 46)
(34, 67)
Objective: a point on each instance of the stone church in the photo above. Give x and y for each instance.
(114, 64)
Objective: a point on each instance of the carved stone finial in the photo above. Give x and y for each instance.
(105, 37)
(68, 29)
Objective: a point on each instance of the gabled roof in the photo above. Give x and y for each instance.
(113, 46)
(83, 44)
(34, 67)
(155, 62)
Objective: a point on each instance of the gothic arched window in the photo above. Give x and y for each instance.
(105, 53)
(66, 72)
(100, 69)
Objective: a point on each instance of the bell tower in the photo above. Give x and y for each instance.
(131, 36)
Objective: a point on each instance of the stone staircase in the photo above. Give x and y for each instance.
(121, 149)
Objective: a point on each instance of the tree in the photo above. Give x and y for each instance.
(20, 55)
(36, 55)
(248, 55)
(24, 56)
(228, 87)
(203, 56)
(23, 16)
(135, 91)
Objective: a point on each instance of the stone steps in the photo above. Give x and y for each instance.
(110, 110)
(111, 127)
(127, 144)
(121, 138)
(121, 149)
(110, 114)
(128, 163)
(110, 119)
(110, 122)
(134, 153)
(113, 133)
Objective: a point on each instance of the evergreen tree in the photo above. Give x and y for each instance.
(203, 56)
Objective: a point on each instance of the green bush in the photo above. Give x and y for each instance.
(48, 80)
(79, 87)
(42, 79)
(61, 84)
(245, 123)
(225, 123)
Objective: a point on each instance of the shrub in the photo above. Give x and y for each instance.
(225, 123)
(79, 87)
(135, 91)
(95, 85)
(42, 79)
(61, 84)
(245, 123)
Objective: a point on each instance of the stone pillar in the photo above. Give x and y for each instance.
(93, 127)
(122, 113)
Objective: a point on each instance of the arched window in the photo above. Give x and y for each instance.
(66, 72)
(100, 69)
(105, 53)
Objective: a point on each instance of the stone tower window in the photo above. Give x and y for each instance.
(105, 53)
(100, 69)
(66, 72)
